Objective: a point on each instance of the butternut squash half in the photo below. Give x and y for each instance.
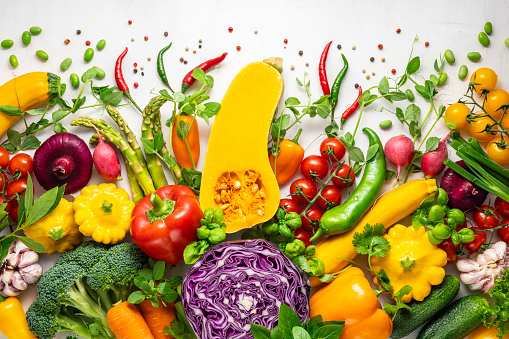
(237, 176)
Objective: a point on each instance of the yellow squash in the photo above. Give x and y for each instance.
(237, 176)
(26, 92)
(390, 208)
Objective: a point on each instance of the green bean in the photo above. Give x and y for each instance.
(385, 124)
(410, 95)
(483, 39)
(7, 43)
(89, 54)
(35, 30)
(75, 80)
(99, 72)
(488, 28)
(42, 55)
(462, 73)
(442, 78)
(13, 60)
(449, 56)
(26, 38)
(507, 42)
(474, 56)
(65, 64)
(101, 44)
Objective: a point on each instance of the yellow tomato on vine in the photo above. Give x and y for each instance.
(494, 100)
(499, 154)
(477, 127)
(457, 114)
(485, 78)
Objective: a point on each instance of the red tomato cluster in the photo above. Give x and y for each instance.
(13, 174)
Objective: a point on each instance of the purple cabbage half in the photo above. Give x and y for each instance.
(238, 283)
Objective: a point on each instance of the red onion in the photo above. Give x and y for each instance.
(63, 159)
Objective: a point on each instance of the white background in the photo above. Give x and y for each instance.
(308, 26)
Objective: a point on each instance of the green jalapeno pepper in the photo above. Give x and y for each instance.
(337, 84)
(344, 217)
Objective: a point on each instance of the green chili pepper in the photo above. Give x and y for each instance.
(89, 54)
(42, 55)
(342, 218)
(13, 60)
(26, 38)
(160, 67)
(337, 84)
(75, 80)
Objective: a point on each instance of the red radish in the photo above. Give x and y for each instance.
(399, 151)
(432, 163)
(106, 160)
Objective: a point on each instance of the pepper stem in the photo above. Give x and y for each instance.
(106, 207)
(296, 139)
(160, 208)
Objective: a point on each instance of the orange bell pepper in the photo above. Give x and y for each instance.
(13, 324)
(179, 146)
(288, 159)
(350, 298)
(482, 332)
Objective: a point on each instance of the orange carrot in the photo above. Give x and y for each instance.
(126, 322)
(158, 318)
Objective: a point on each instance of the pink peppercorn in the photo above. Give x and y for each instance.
(380, 46)
(230, 29)
(238, 48)
(136, 84)
(285, 41)
(87, 43)
(146, 38)
(426, 44)
(393, 71)
(398, 31)
(135, 64)
(130, 22)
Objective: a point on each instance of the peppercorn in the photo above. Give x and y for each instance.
(373, 73)
(230, 29)
(132, 39)
(339, 46)
(367, 76)
(199, 46)
(130, 22)
(398, 31)
(353, 47)
(363, 70)
(383, 59)
(426, 44)
(380, 46)
(292, 67)
(78, 31)
(285, 41)
(87, 43)
(238, 48)
(165, 33)
(146, 38)
(393, 71)
(181, 59)
(136, 84)
(149, 58)
(255, 31)
(307, 64)
(200, 41)
(185, 62)
(142, 68)
(135, 71)
(301, 52)
(142, 74)
(356, 86)
(194, 51)
(372, 59)
(67, 41)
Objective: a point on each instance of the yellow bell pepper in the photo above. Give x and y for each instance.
(57, 231)
(13, 324)
(482, 332)
(413, 260)
(103, 212)
(350, 298)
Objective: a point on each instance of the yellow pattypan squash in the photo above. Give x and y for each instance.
(103, 212)
(413, 260)
(57, 231)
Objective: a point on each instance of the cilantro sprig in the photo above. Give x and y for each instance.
(498, 314)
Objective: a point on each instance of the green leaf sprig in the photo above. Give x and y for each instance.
(498, 312)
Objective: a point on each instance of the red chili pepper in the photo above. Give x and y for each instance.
(321, 70)
(119, 77)
(188, 80)
(349, 111)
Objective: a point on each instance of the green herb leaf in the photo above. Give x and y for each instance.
(415, 130)
(413, 65)
(89, 74)
(389, 175)
(146, 274)
(59, 128)
(432, 144)
(136, 297)
(400, 115)
(165, 94)
(372, 151)
(383, 279)
(159, 269)
(292, 101)
(36, 111)
(355, 154)
(365, 96)
(182, 130)
(383, 86)
(32, 244)
(287, 320)
(396, 96)
(14, 138)
(260, 332)
(371, 242)
(11, 111)
(422, 91)
(451, 125)
(211, 109)
(29, 143)
(179, 97)
(58, 115)
(329, 332)
(300, 333)
(412, 113)
(199, 74)
(44, 205)
(393, 309)
(147, 145)
(113, 99)
(159, 141)
(5, 244)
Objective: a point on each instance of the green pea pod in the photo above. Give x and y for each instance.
(89, 54)
(75, 80)
(344, 217)
(410, 95)
(100, 73)
(449, 56)
(337, 83)
(385, 124)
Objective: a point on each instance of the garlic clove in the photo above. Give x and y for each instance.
(501, 249)
(28, 258)
(7, 274)
(471, 277)
(491, 256)
(12, 260)
(19, 247)
(478, 285)
(10, 291)
(31, 274)
(18, 282)
(467, 265)
(481, 260)
(488, 284)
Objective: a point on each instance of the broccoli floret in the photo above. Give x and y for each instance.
(116, 270)
(86, 255)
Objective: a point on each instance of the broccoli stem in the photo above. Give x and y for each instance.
(122, 292)
(69, 323)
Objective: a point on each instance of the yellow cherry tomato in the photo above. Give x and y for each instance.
(457, 114)
(485, 78)
(505, 121)
(498, 154)
(478, 125)
(494, 100)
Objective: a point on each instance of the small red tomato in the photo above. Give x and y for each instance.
(14, 213)
(4, 158)
(448, 246)
(15, 186)
(475, 245)
(332, 149)
(23, 163)
(303, 191)
(311, 219)
(303, 236)
(314, 166)
(502, 207)
(2, 179)
(344, 172)
(487, 219)
(330, 197)
(289, 205)
(503, 233)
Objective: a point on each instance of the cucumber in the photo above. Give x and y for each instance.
(456, 321)
(407, 321)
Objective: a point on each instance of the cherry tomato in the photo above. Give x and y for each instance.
(449, 248)
(486, 79)
(2, 179)
(332, 149)
(303, 236)
(4, 158)
(330, 197)
(505, 121)
(289, 205)
(15, 186)
(310, 221)
(14, 213)
(503, 233)
(303, 191)
(23, 163)
(457, 114)
(314, 166)
(494, 100)
(495, 152)
(486, 219)
(478, 125)
(10, 204)
(502, 207)
(475, 245)
(344, 172)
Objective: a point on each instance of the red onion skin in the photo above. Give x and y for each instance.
(106, 161)
(63, 159)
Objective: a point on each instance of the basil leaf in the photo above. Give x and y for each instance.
(260, 332)
(136, 297)
(32, 244)
(159, 269)
(329, 332)
(300, 333)
(11, 111)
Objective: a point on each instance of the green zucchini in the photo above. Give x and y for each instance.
(407, 321)
(456, 321)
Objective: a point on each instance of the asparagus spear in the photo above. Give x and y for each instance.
(111, 135)
(136, 190)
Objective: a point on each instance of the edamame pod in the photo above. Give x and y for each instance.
(99, 72)
(89, 54)
(488, 28)
(449, 56)
(101, 44)
(13, 60)
(35, 30)
(65, 64)
(7, 43)
(442, 79)
(75, 80)
(462, 73)
(42, 55)
(385, 124)
(26, 38)
(410, 95)
(474, 56)
(483, 39)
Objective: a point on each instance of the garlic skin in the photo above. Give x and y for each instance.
(480, 270)
(19, 269)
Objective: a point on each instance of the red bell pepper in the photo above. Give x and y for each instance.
(165, 222)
